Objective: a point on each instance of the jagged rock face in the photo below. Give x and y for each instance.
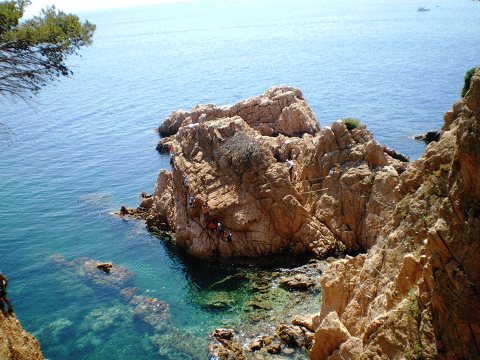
(280, 110)
(414, 294)
(336, 198)
(15, 343)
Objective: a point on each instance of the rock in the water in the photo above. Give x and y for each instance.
(429, 136)
(237, 193)
(106, 267)
(274, 348)
(298, 282)
(291, 335)
(223, 346)
(305, 321)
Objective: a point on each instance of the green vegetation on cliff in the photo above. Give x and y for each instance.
(467, 80)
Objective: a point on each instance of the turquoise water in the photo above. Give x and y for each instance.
(86, 145)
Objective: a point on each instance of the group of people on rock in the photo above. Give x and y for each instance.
(213, 225)
(220, 230)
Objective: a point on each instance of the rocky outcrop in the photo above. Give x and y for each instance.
(280, 110)
(429, 136)
(15, 343)
(415, 294)
(333, 195)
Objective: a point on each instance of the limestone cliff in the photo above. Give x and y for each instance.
(415, 293)
(275, 182)
(15, 343)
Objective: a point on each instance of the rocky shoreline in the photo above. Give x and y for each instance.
(406, 286)
(409, 288)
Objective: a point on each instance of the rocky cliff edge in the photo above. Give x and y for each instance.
(415, 293)
(15, 343)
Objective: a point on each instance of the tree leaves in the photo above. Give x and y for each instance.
(32, 53)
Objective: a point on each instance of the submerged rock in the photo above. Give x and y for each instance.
(222, 345)
(151, 311)
(298, 282)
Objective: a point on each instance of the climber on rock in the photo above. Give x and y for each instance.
(220, 229)
(205, 208)
(185, 183)
(211, 226)
(3, 293)
(229, 237)
(290, 168)
(171, 158)
(191, 202)
(169, 147)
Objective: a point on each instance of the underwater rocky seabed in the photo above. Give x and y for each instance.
(255, 298)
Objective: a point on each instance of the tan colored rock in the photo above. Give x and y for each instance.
(413, 294)
(305, 321)
(256, 343)
(334, 200)
(375, 155)
(274, 348)
(280, 110)
(291, 335)
(328, 337)
(223, 345)
(298, 282)
(15, 343)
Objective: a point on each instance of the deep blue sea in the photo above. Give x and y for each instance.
(86, 144)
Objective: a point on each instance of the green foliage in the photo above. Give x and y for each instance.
(351, 123)
(242, 151)
(33, 53)
(468, 78)
(416, 352)
(412, 307)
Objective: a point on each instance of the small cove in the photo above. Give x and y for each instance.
(86, 146)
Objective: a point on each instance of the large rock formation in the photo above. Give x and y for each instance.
(280, 110)
(15, 343)
(415, 294)
(233, 159)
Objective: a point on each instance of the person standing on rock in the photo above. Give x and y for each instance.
(3, 293)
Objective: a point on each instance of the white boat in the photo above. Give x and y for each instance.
(423, 8)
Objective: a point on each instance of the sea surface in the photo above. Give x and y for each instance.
(86, 145)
